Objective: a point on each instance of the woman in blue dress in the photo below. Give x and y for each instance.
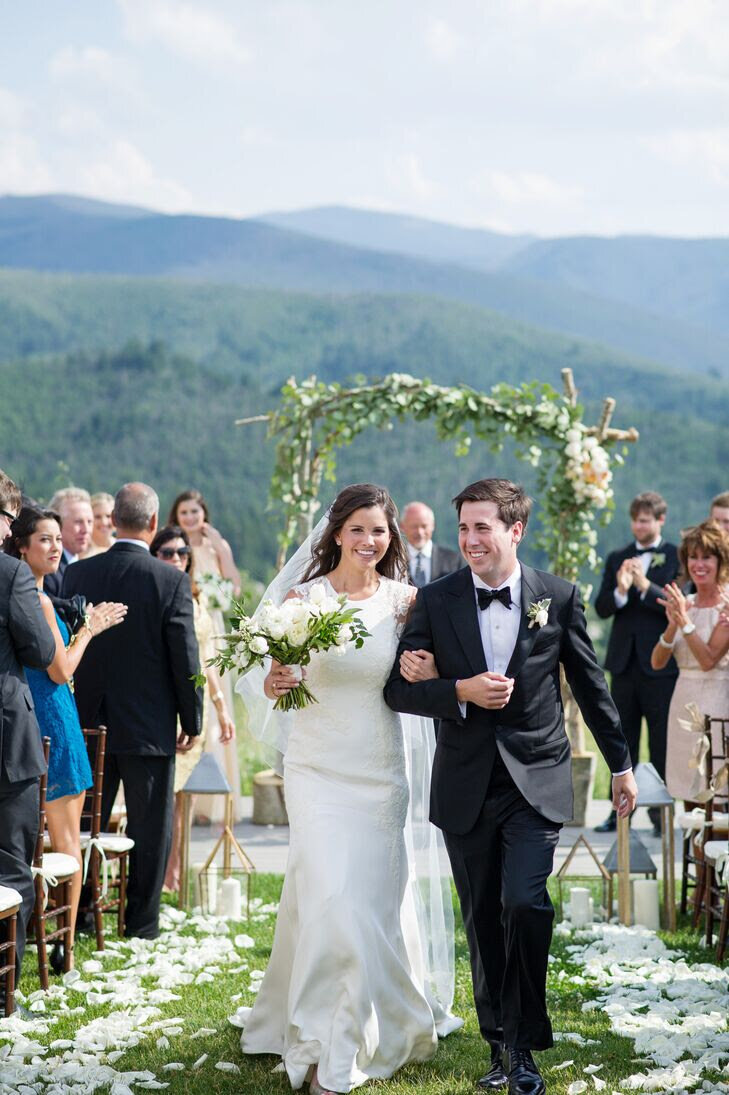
(35, 536)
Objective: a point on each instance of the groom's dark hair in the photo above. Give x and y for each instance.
(512, 501)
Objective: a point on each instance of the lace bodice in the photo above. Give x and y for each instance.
(350, 731)
(705, 620)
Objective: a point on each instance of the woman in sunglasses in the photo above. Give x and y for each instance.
(172, 546)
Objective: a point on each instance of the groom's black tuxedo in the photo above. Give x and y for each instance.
(529, 732)
(501, 784)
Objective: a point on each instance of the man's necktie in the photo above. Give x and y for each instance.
(486, 596)
(419, 573)
(644, 551)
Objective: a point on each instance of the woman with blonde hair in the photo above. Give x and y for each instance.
(697, 636)
(102, 534)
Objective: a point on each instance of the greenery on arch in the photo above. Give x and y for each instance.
(574, 461)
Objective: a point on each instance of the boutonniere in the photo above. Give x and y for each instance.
(658, 558)
(538, 612)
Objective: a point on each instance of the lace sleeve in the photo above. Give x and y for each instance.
(401, 599)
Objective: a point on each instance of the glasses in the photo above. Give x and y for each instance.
(169, 553)
(10, 516)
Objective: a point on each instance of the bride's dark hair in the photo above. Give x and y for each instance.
(326, 553)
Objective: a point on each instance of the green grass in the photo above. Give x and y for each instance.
(459, 1061)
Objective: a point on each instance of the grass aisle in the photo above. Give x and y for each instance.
(176, 997)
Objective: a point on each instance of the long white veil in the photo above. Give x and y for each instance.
(429, 874)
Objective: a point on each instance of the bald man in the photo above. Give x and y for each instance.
(426, 560)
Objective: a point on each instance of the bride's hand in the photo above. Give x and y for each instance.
(418, 665)
(280, 679)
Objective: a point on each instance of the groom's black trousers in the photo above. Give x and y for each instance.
(501, 869)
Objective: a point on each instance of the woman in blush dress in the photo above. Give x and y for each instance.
(36, 537)
(349, 994)
(213, 560)
(697, 636)
(171, 546)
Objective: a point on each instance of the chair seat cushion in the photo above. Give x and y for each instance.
(9, 898)
(59, 865)
(113, 843)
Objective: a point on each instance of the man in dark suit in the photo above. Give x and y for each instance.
(502, 782)
(73, 506)
(136, 681)
(426, 561)
(632, 582)
(25, 640)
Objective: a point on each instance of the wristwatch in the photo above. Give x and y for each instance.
(689, 628)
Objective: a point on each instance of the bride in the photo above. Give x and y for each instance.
(360, 979)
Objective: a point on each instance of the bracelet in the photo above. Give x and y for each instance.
(86, 623)
(666, 645)
(217, 696)
(689, 628)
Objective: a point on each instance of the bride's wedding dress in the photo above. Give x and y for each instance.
(345, 984)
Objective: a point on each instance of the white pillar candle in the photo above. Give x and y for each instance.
(645, 903)
(591, 909)
(230, 898)
(212, 884)
(580, 906)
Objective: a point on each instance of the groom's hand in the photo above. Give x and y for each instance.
(625, 794)
(489, 690)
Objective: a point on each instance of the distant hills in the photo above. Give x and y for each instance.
(508, 275)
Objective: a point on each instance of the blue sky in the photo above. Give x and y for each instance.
(549, 116)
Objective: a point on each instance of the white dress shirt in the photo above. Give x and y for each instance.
(621, 599)
(426, 559)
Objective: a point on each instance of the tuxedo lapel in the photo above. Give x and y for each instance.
(463, 615)
(532, 590)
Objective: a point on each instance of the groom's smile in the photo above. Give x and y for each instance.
(487, 544)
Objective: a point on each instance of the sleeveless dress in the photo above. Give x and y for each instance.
(211, 806)
(708, 690)
(186, 762)
(344, 984)
(69, 771)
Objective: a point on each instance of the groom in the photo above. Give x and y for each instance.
(502, 781)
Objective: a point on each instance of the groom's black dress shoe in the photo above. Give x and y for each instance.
(524, 1076)
(496, 1076)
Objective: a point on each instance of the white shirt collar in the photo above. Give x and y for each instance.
(426, 551)
(513, 582)
(69, 557)
(648, 547)
(131, 540)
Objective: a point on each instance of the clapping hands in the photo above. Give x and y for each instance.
(675, 605)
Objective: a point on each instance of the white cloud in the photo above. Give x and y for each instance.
(88, 62)
(188, 29)
(13, 110)
(442, 40)
(122, 173)
(526, 188)
(705, 152)
(22, 169)
(406, 173)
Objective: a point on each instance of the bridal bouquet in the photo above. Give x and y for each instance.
(218, 592)
(290, 633)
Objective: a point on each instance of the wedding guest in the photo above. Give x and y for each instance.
(137, 681)
(213, 559)
(632, 584)
(73, 506)
(426, 561)
(102, 536)
(696, 641)
(172, 546)
(36, 538)
(720, 510)
(25, 641)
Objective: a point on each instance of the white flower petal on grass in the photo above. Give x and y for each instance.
(203, 1032)
(589, 1069)
(227, 1066)
(163, 1042)
(240, 1017)
(244, 942)
(173, 1066)
(599, 1084)
(577, 1087)
(200, 1061)
(561, 1065)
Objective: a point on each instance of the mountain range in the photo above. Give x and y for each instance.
(660, 299)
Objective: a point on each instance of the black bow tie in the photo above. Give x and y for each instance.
(644, 551)
(486, 596)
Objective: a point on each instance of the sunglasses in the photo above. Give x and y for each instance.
(10, 516)
(169, 553)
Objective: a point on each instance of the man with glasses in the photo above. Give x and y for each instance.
(25, 640)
